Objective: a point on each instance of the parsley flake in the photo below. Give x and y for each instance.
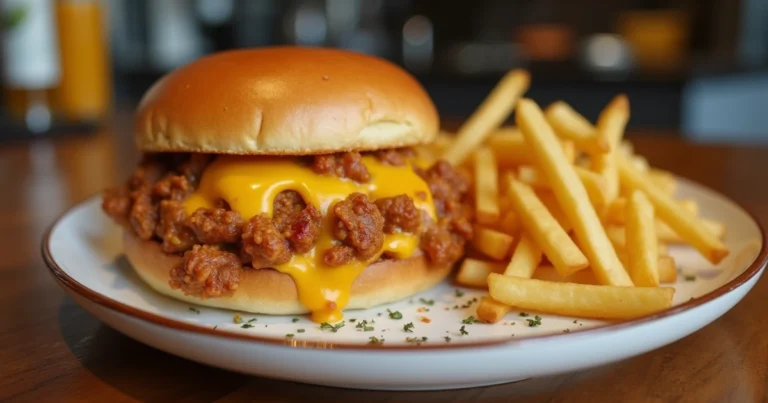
(294, 320)
(429, 302)
(524, 314)
(536, 321)
(690, 277)
(470, 320)
(567, 331)
(299, 330)
(246, 326)
(417, 340)
(215, 326)
(333, 328)
(288, 335)
(458, 293)
(195, 310)
(408, 327)
(463, 331)
(395, 314)
(251, 320)
(447, 339)
(352, 320)
(375, 340)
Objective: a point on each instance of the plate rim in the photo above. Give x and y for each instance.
(75, 286)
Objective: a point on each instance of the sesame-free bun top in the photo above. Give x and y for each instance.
(285, 101)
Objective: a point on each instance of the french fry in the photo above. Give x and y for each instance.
(488, 116)
(594, 183)
(511, 149)
(492, 243)
(474, 273)
(610, 127)
(664, 180)
(569, 150)
(667, 234)
(569, 124)
(525, 258)
(640, 163)
(582, 300)
(550, 202)
(486, 187)
(509, 223)
(667, 269)
(679, 219)
(663, 248)
(549, 273)
(548, 234)
(571, 194)
(614, 213)
(642, 244)
(491, 311)
(626, 148)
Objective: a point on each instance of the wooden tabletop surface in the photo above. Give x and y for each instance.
(52, 350)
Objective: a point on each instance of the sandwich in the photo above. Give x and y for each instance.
(288, 180)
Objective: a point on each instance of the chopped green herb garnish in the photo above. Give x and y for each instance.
(458, 293)
(416, 340)
(567, 331)
(689, 277)
(294, 320)
(215, 326)
(195, 310)
(237, 319)
(429, 302)
(352, 320)
(299, 330)
(288, 335)
(251, 320)
(363, 325)
(523, 314)
(447, 339)
(378, 314)
(408, 327)
(536, 321)
(455, 307)
(513, 323)
(463, 331)
(333, 328)
(375, 340)
(575, 321)
(470, 320)
(395, 314)
(246, 326)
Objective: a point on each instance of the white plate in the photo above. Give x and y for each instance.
(83, 251)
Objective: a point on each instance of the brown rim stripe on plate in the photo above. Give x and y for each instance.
(66, 280)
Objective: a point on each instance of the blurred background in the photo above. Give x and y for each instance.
(691, 68)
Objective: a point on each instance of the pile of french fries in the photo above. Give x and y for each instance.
(569, 220)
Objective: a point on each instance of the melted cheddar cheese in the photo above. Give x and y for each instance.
(249, 185)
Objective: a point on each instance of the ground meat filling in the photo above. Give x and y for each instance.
(443, 241)
(207, 272)
(395, 156)
(344, 165)
(359, 225)
(400, 214)
(150, 204)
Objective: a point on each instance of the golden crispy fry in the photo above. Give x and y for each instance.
(667, 269)
(511, 150)
(532, 177)
(486, 187)
(474, 273)
(548, 234)
(492, 243)
(610, 126)
(614, 213)
(679, 219)
(667, 234)
(489, 116)
(569, 124)
(663, 248)
(640, 163)
(569, 150)
(525, 258)
(549, 273)
(664, 180)
(642, 244)
(571, 299)
(550, 202)
(491, 311)
(509, 223)
(571, 194)
(626, 148)
(594, 183)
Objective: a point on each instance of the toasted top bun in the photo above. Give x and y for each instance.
(271, 292)
(285, 101)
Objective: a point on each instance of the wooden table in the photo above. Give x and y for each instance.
(51, 349)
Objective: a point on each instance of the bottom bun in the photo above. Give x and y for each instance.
(269, 291)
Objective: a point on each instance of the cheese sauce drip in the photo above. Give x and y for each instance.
(250, 184)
